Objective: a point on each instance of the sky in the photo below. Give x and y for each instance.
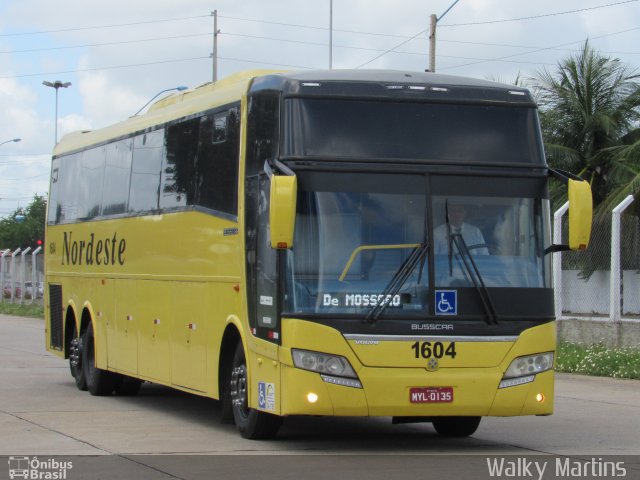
(119, 54)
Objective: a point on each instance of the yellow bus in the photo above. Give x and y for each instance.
(337, 243)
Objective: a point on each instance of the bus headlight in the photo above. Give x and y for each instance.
(524, 369)
(333, 365)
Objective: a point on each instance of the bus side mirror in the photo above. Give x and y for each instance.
(580, 214)
(282, 210)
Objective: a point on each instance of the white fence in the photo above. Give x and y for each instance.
(22, 275)
(605, 279)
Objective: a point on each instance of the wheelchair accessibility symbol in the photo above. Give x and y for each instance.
(446, 302)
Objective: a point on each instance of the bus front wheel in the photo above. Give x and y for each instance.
(251, 423)
(456, 426)
(99, 382)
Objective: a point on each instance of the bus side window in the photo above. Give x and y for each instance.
(117, 175)
(177, 187)
(53, 210)
(217, 164)
(148, 151)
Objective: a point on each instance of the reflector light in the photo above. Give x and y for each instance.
(282, 245)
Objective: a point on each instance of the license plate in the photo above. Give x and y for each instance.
(431, 395)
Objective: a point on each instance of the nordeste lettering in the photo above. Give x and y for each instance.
(93, 251)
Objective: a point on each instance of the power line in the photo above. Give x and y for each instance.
(95, 27)
(159, 62)
(121, 42)
(113, 67)
(540, 49)
(391, 49)
(533, 17)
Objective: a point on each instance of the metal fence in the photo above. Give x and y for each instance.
(604, 280)
(22, 276)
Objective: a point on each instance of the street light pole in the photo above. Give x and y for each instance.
(12, 140)
(57, 85)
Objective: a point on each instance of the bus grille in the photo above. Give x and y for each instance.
(55, 302)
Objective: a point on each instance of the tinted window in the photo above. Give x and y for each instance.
(68, 174)
(178, 185)
(117, 177)
(53, 212)
(148, 151)
(440, 132)
(217, 165)
(262, 131)
(92, 163)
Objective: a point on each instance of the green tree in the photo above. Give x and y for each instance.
(24, 227)
(590, 114)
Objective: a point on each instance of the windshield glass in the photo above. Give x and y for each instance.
(505, 237)
(349, 245)
(360, 242)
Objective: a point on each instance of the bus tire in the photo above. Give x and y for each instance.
(456, 426)
(251, 423)
(99, 382)
(75, 360)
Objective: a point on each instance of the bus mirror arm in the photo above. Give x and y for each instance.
(556, 248)
(564, 176)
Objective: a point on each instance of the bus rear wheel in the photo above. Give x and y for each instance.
(75, 360)
(456, 426)
(251, 423)
(99, 382)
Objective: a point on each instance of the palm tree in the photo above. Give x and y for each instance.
(590, 115)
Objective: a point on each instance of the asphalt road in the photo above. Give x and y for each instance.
(157, 433)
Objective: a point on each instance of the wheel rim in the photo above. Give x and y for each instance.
(90, 359)
(75, 350)
(239, 398)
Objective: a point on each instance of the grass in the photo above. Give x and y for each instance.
(22, 310)
(598, 360)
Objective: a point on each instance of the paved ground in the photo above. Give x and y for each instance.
(42, 413)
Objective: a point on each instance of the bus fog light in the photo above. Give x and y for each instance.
(540, 398)
(333, 365)
(529, 365)
(312, 397)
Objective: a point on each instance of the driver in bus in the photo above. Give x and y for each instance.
(470, 233)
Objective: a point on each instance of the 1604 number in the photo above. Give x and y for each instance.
(435, 349)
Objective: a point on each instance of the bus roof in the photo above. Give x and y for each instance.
(418, 86)
(353, 83)
(177, 105)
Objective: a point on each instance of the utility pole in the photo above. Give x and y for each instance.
(214, 55)
(432, 43)
(432, 36)
(330, 34)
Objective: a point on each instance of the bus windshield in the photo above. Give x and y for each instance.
(350, 246)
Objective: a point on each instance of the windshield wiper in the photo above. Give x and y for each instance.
(471, 268)
(475, 276)
(397, 281)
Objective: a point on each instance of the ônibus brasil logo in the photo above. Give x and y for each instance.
(35, 469)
